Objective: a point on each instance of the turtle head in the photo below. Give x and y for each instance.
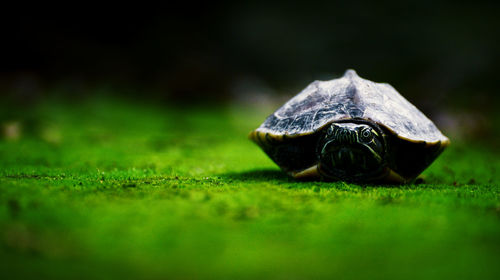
(352, 151)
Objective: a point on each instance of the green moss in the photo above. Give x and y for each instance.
(110, 189)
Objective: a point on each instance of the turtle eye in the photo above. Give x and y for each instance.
(330, 130)
(366, 135)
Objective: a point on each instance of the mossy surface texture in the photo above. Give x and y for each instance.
(107, 189)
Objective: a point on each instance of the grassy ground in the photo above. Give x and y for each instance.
(109, 189)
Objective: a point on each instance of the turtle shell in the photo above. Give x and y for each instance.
(289, 135)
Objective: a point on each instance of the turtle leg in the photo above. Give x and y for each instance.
(391, 177)
(308, 173)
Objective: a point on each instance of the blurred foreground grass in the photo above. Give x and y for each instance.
(109, 189)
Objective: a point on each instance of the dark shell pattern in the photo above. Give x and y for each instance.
(348, 97)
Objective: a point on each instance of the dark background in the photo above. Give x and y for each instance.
(437, 54)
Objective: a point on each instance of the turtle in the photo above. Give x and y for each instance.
(350, 129)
